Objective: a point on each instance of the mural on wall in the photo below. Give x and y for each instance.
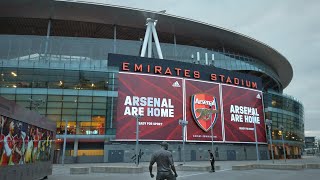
(22, 143)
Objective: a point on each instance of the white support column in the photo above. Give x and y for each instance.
(145, 41)
(150, 46)
(156, 41)
(151, 30)
(47, 39)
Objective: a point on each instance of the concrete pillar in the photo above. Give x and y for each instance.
(75, 148)
(76, 141)
(78, 127)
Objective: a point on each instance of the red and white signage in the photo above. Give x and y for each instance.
(228, 110)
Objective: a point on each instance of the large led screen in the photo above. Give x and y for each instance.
(242, 108)
(157, 99)
(203, 111)
(227, 112)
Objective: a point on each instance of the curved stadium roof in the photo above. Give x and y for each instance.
(202, 34)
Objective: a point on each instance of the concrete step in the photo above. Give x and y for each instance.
(79, 170)
(313, 166)
(243, 167)
(272, 166)
(116, 169)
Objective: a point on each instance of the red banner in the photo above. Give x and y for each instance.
(157, 99)
(203, 96)
(242, 108)
(163, 100)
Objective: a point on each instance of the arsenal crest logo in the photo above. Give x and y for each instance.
(204, 109)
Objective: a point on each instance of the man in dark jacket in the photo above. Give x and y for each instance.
(211, 160)
(165, 164)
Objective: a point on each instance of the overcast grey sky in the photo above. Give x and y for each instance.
(292, 27)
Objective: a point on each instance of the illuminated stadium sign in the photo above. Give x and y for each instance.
(184, 70)
(229, 109)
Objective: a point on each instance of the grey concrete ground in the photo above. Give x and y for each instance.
(225, 175)
(63, 172)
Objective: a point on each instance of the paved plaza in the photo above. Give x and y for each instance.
(306, 174)
(225, 172)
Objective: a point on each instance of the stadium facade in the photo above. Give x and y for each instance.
(54, 59)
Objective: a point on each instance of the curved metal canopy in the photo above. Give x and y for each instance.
(108, 14)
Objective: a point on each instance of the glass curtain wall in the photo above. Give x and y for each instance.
(289, 113)
(62, 76)
(80, 97)
(92, 53)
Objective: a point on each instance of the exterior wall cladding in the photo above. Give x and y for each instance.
(60, 69)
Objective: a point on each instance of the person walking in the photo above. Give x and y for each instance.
(165, 164)
(211, 160)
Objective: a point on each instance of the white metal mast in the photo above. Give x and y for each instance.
(147, 41)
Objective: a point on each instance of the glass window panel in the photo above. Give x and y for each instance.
(85, 127)
(84, 111)
(54, 104)
(54, 72)
(69, 105)
(98, 128)
(84, 99)
(70, 98)
(39, 97)
(25, 71)
(9, 96)
(55, 85)
(84, 118)
(85, 105)
(99, 106)
(69, 111)
(53, 111)
(85, 124)
(23, 97)
(98, 112)
(89, 152)
(54, 98)
(69, 73)
(68, 117)
(100, 99)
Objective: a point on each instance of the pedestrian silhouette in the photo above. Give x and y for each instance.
(165, 164)
(211, 160)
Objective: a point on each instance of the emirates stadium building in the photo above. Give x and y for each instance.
(101, 72)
